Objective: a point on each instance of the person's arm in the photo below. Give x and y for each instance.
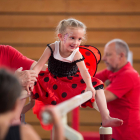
(56, 121)
(118, 87)
(84, 73)
(102, 75)
(43, 59)
(109, 96)
(17, 59)
(21, 65)
(34, 63)
(28, 133)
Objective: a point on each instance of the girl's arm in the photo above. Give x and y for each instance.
(43, 59)
(28, 133)
(84, 73)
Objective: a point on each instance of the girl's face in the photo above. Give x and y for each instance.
(72, 38)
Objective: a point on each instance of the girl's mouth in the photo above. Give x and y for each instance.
(72, 47)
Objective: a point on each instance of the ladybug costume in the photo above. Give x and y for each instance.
(62, 80)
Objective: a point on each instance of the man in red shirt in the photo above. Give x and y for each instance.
(123, 90)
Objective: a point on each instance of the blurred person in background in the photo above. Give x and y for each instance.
(122, 91)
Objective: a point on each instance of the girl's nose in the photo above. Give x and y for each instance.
(76, 42)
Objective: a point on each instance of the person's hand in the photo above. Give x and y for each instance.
(31, 100)
(55, 115)
(92, 89)
(27, 78)
(56, 121)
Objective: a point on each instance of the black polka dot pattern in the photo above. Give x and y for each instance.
(35, 83)
(87, 63)
(70, 78)
(87, 53)
(74, 85)
(82, 91)
(41, 74)
(64, 94)
(82, 81)
(55, 77)
(94, 83)
(36, 95)
(46, 79)
(54, 86)
(53, 102)
(47, 94)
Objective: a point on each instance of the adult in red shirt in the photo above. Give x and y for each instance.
(123, 90)
(12, 59)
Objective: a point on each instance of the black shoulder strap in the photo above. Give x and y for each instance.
(50, 48)
(80, 59)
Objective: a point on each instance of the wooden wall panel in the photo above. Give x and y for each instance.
(89, 128)
(70, 6)
(95, 22)
(93, 37)
(31, 118)
(30, 21)
(33, 6)
(109, 22)
(103, 6)
(93, 117)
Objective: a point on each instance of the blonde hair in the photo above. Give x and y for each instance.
(64, 24)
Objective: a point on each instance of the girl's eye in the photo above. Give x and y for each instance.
(80, 38)
(72, 37)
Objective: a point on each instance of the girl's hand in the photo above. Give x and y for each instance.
(92, 89)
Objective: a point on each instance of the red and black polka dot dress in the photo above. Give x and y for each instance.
(62, 81)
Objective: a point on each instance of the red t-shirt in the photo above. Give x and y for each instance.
(125, 84)
(13, 59)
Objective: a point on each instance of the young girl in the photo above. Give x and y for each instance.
(61, 80)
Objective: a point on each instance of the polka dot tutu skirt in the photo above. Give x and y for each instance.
(53, 90)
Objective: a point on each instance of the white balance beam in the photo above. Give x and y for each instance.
(69, 105)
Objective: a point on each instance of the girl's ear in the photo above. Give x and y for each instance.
(60, 37)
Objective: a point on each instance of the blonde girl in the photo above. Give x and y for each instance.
(62, 80)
